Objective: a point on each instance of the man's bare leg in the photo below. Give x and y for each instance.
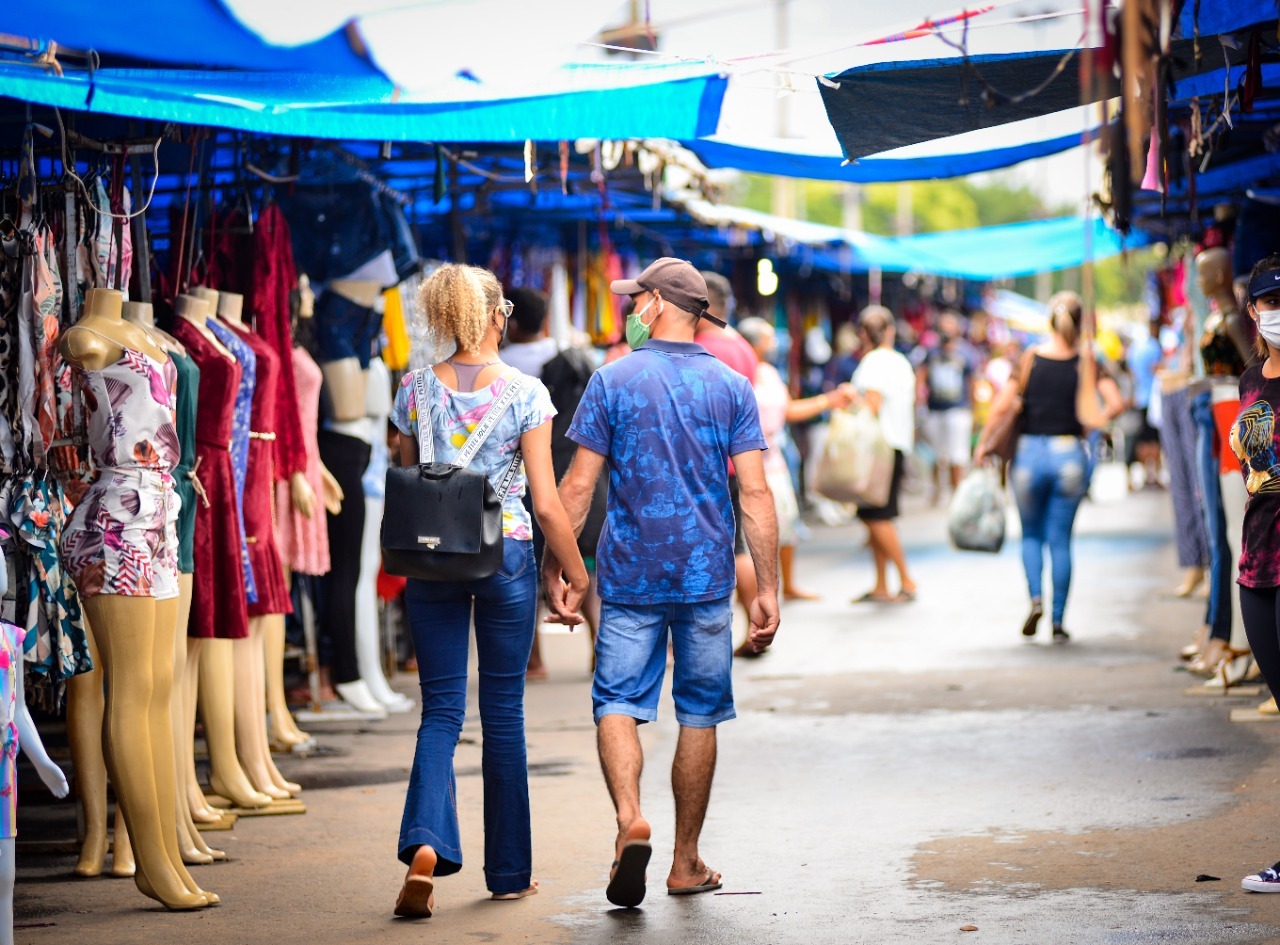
(622, 761)
(691, 774)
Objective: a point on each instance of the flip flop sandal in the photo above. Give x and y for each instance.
(414, 901)
(903, 597)
(706, 885)
(870, 598)
(626, 888)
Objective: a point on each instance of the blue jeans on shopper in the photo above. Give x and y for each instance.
(1050, 477)
(440, 616)
(1218, 613)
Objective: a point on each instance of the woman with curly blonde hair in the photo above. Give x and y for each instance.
(464, 309)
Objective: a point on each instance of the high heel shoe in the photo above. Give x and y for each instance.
(1190, 582)
(1232, 670)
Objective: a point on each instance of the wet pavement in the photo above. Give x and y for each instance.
(897, 773)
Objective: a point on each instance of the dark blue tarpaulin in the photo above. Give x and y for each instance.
(868, 170)
(1223, 16)
(625, 100)
(893, 104)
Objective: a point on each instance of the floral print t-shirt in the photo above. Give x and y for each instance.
(455, 413)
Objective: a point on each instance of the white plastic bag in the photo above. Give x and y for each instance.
(975, 519)
(856, 464)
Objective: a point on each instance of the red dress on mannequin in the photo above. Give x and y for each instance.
(219, 608)
(304, 542)
(259, 484)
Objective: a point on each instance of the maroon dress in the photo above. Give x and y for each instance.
(259, 483)
(219, 608)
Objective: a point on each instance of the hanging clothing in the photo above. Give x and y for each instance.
(240, 436)
(304, 542)
(10, 662)
(122, 539)
(219, 608)
(260, 491)
(274, 279)
(185, 475)
(229, 250)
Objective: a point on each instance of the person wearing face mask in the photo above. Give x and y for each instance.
(1254, 442)
(777, 409)
(665, 419)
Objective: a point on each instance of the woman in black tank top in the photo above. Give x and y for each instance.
(1052, 467)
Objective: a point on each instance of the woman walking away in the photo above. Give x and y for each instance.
(463, 306)
(886, 383)
(1059, 386)
(1254, 441)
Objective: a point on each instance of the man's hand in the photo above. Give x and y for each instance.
(764, 621)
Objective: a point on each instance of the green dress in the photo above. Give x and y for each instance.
(184, 480)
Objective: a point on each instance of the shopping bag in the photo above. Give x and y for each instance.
(975, 519)
(856, 464)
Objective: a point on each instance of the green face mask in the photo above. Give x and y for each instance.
(637, 330)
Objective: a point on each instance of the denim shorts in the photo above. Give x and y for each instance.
(631, 661)
(345, 329)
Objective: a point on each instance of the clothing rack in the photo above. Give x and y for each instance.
(365, 174)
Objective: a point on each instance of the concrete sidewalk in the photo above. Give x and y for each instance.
(896, 772)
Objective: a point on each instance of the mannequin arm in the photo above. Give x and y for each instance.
(332, 491)
(33, 748)
(304, 498)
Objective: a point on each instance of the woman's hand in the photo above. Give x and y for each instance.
(843, 396)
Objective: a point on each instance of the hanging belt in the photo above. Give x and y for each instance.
(267, 437)
(196, 484)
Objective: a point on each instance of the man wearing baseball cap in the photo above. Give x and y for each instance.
(665, 420)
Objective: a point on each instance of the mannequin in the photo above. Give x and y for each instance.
(367, 627)
(194, 849)
(302, 535)
(134, 621)
(14, 705)
(218, 601)
(345, 447)
(273, 601)
(1225, 352)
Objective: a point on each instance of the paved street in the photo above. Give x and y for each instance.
(897, 772)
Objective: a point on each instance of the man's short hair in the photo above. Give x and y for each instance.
(530, 309)
(875, 320)
(753, 328)
(719, 291)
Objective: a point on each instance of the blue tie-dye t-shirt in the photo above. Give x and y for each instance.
(667, 417)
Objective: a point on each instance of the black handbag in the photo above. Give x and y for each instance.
(442, 521)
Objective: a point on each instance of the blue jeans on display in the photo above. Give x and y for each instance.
(1218, 613)
(1178, 436)
(440, 616)
(1050, 477)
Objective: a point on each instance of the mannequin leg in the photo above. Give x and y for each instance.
(194, 849)
(160, 715)
(259, 667)
(126, 635)
(368, 632)
(85, 706)
(201, 811)
(250, 712)
(122, 863)
(284, 731)
(8, 873)
(217, 709)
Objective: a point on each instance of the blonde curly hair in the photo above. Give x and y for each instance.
(457, 302)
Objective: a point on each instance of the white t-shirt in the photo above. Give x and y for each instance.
(529, 357)
(890, 374)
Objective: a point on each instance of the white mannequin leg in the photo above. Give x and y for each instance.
(8, 873)
(367, 630)
(1234, 495)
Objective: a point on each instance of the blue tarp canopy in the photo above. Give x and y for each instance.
(798, 162)
(1223, 16)
(624, 100)
(1017, 249)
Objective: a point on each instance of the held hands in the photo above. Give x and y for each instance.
(845, 395)
(764, 621)
(563, 597)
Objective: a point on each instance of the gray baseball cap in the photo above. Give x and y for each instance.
(678, 281)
